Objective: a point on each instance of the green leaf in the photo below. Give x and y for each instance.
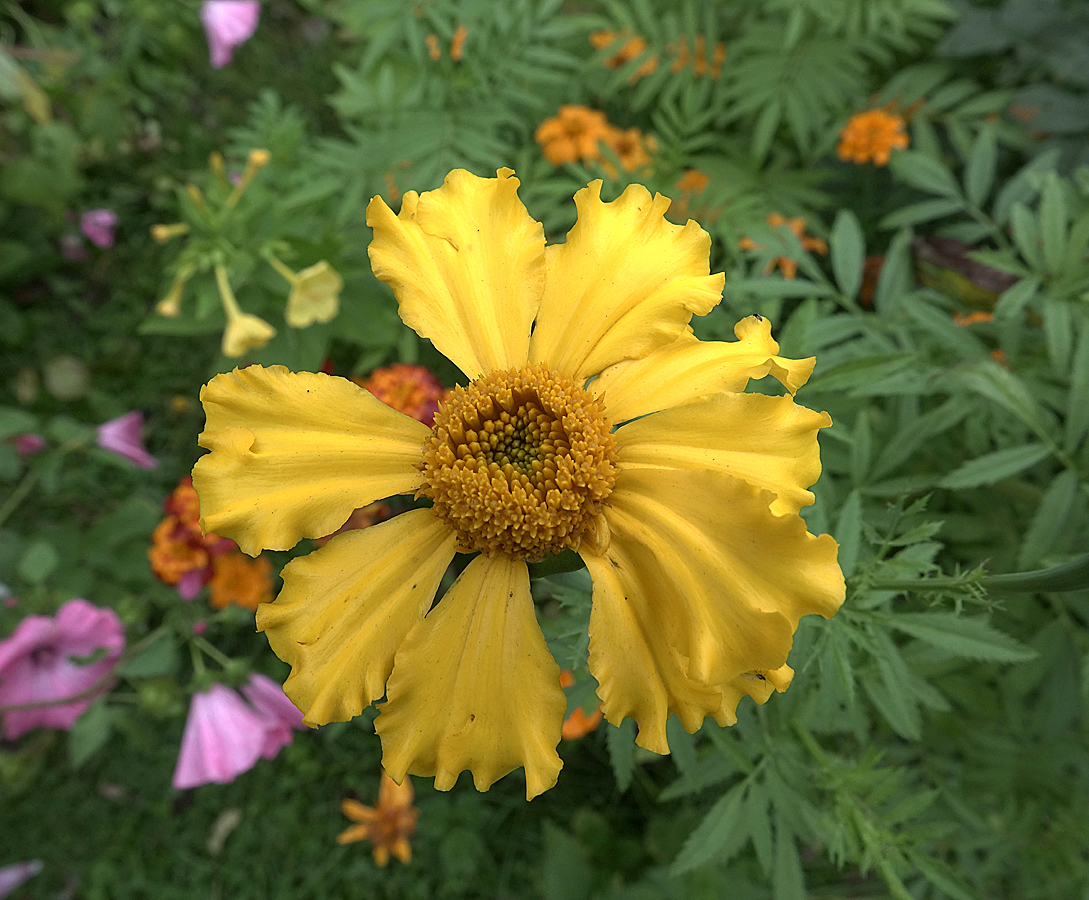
(779, 287)
(941, 876)
(923, 211)
(711, 835)
(89, 733)
(848, 252)
(16, 421)
(848, 533)
(1053, 222)
(860, 371)
(1025, 235)
(972, 638)
(1050, 521)
(992, 381)
(788, 882)
(979, 173)
(1014, 299)
(566, 872)
(925, 173)
(995, 466)
(38, 561)
(896, 276)
(1059, 331)
(1077, 409)
(621, 744)
(161, 658)
(758, 826)
(763, 132)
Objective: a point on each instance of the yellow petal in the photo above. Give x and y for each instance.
(354, 833)
(315, 296)
(758, 685)
(704, 583)
(245, 332)
(474, 687)
(689, 369)
(625, 283)
(357, 812)
(466, 263)
(346, 608)
(770, 442)
(294, 454)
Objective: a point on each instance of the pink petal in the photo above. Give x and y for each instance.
(98, 226)
(36, 664)
(227, 25)
(280, 715)
(28, 444)
(122, 436)
(223, 738)
(14, 875)
(190, 583)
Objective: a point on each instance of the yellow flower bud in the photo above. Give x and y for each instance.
(163, 233)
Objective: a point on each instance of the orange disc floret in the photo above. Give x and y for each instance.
(572, 134)
(410, 389)
(871, 136)
(240, 580)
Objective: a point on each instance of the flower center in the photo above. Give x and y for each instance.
(520, 463)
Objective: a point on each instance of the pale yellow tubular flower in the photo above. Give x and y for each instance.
(315, 296)
(170, 306)
(244, 331)
(163, 233)
(686, 516)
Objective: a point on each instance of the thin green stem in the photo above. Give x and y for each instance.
(17, 496)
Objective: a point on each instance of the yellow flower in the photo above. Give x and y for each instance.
(244, 332)
(314, 297)
(871, 135)
(388, 826)
(686, 514)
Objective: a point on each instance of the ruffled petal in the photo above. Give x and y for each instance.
(346, 608)
(758, 685)
(700, 585)
(474, 687)
(770, 442)
(689, 369)
(626, 282)
(294, 454)
(466, 263)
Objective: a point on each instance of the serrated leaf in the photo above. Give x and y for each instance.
(1059, 332)
(848, 253)
(995, 466)
(1077, 409)
(758, 826)
(891, 696)
(712, 833)
(942, 877)
(923, 211)
(972, 638)
(38, 561)
(1025, 235)
(896, 276)
(621, 744)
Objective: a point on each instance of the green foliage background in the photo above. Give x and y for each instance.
(934, 742)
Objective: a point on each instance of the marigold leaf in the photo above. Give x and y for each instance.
(621, 743)
(962, 636)
(709, 837)
(848, 252)
(995, 466)
(979, 174)
(1050, 521)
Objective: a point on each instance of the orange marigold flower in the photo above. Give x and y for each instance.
(388, 826)
(796, 225)
(457, 44)
(702, 62)
(693, 181)
(871, 136)
(999, 356)
(572, 134)
(973, 318)
(635, 46)
(410, 389)
(183, 503)
(631, 146)
(240, 580)
(433, 50)
(173, 553)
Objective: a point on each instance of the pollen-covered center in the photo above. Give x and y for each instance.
(519, 463)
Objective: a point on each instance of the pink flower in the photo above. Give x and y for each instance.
(14, 875)
(224, 736)
(36, 664)
(280, 715)
(97, 226)
(28, 444)
(122, 436)
(228, 24)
